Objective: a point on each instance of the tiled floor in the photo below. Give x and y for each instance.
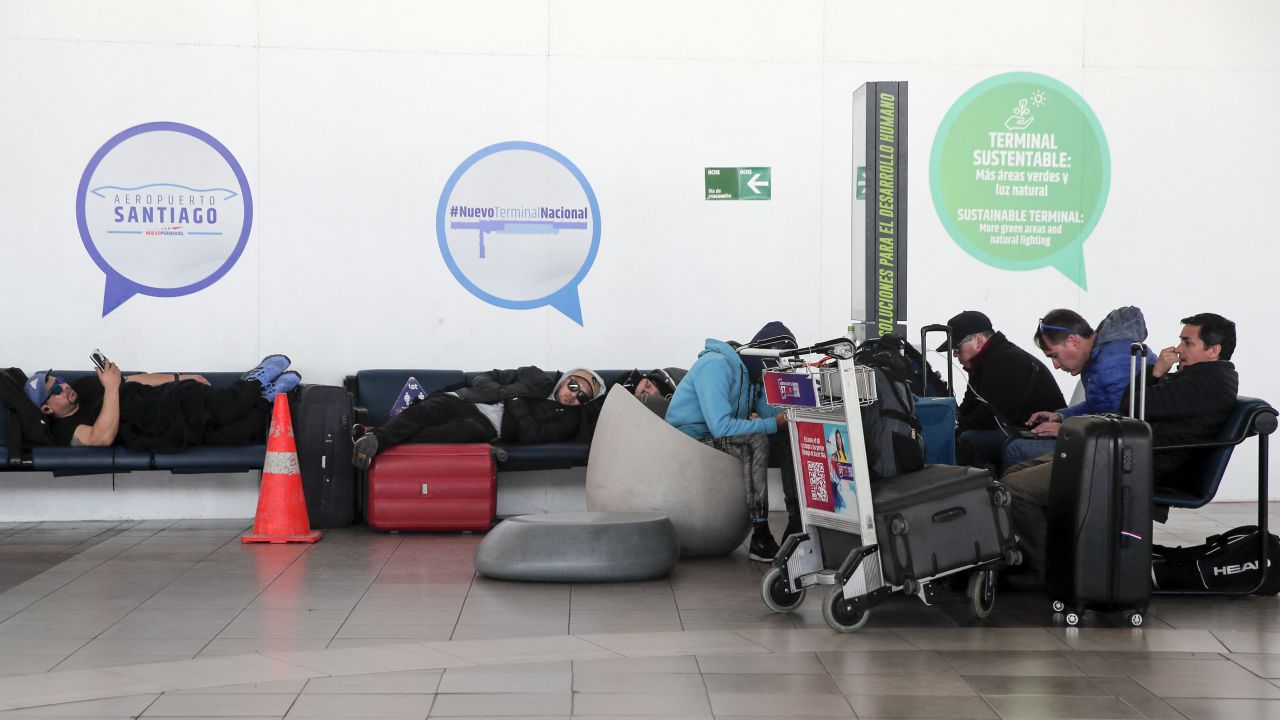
(179, 619)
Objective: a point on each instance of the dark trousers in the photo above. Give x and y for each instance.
(238, 415)
(780, 457)
(441, 418)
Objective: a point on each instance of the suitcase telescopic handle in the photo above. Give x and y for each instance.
(924, 357)
(1139, 381)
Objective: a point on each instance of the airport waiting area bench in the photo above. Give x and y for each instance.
(68, 461)
(375, 393)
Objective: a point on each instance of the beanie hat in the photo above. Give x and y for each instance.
(661, 378)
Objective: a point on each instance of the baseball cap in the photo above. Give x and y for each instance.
(35, 387)
(965, 324)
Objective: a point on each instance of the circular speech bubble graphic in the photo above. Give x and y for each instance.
(519, 227)
(163, 209)
(1020, 172)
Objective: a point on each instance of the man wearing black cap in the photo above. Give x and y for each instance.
(1006, 385)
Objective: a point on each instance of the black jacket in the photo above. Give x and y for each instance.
(1187, 406)
(529, 414)
(1012, 381)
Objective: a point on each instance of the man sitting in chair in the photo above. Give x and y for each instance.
(1187, 406)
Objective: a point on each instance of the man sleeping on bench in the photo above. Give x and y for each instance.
(521, 405)
(160, 412)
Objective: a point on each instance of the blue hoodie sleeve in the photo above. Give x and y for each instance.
(1109, 378)
(717, 411)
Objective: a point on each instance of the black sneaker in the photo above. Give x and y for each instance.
(366, 447)
(763, 546)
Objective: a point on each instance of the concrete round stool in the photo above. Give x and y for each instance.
(579, 547)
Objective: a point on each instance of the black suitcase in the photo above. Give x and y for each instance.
(322, 417)
(1098, 544)
(939, 519)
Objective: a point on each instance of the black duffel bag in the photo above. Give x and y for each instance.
(1224, 563)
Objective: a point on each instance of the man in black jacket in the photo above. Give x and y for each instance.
(1187, 406)
(1006, 385)
(521, 405)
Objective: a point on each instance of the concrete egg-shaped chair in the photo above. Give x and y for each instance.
(639, 463)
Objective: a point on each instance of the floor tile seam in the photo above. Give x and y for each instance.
(372, 581)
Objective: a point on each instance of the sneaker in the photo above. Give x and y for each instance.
(358, 431)
(763, 546)
(283, 383)
(794, 526)
(268, 370)
(366, 447)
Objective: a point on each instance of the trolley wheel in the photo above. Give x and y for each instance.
(1059, 606)
(1073, 619)
(898, 525)
(1001, 497)
(982, 592)
(1012, 556)
(1135, 619)
(839, 615)
(910, 586)
(776, 595)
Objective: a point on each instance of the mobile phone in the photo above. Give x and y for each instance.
(99, 360)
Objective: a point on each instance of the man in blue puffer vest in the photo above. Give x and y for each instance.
(721, 402)
(1101, 356)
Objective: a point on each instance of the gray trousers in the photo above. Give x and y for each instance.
(753, 450)
(1028, 485)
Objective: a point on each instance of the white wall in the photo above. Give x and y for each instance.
(348, 118)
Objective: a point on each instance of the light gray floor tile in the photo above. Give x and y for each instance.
(128, 706)
(1141, 639)
(816, 640)
(515, 650)
(221, 704)
(279, 687)
(1034, 707)
(942, 683)
(622, 682)
(553, 667)
(1033, 685)
(920, 706)
(891, 662)
(683, 664)
(215, 671)
(755, 683)
(488, 630)
(968, 662)
(20, 691)
(772, 664)
(1238, 641)
(495, 704)
(405, 681)
(998, 639)
(266, 646)
(396, 631)
(360, 705)
(650, 703)
(1138, 698)
(1265, 666)
(505, 682)
(383, 658)
(1220, 709)
(780, 704)
(85, 662)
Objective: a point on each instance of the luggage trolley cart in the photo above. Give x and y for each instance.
(824, 404)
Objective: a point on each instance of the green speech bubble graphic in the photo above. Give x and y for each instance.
(1020, 172)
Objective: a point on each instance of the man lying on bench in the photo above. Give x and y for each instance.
(521, 405)
(160, 412)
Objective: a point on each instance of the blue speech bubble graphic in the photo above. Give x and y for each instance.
(484, 220)
(156, 222)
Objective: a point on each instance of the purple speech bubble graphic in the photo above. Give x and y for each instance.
(155, 222)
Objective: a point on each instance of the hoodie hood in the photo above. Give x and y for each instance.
(775, 329)
(1123, 323)
(597, 382)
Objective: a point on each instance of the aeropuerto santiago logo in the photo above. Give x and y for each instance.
(518, 225)
(163, 209)
(1020, 172)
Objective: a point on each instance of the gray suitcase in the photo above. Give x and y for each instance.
(940, 519)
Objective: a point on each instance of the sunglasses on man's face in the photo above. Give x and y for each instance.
(579, 390)
(58, 383)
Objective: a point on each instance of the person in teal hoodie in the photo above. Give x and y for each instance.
(721, 402)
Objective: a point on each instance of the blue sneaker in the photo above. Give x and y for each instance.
(268, 370)
(283, 384)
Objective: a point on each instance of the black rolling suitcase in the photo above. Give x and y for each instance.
(322, 417)
(1098, 554)
(939, 519)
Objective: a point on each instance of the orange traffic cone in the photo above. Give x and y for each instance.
(282, 509)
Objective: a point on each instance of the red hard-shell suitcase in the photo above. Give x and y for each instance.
(433, 487)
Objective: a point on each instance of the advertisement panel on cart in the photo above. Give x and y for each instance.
(825, 459)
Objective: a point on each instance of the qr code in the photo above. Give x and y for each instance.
(817, 481)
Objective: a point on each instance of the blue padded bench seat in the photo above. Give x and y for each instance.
(375, 393)
(99, 460)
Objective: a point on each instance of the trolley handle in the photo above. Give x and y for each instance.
(838, 347)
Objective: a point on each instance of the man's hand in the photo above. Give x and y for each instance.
(1168, 358)
(109, 377)
(1044, 416)
(1047, 429)
(781, 419)
(198, 378)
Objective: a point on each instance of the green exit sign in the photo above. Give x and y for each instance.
(738, 183)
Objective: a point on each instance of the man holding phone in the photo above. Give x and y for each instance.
(159, 411)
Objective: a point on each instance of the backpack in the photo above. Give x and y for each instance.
(1224, 563)
(26, 425)
(893, 437)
